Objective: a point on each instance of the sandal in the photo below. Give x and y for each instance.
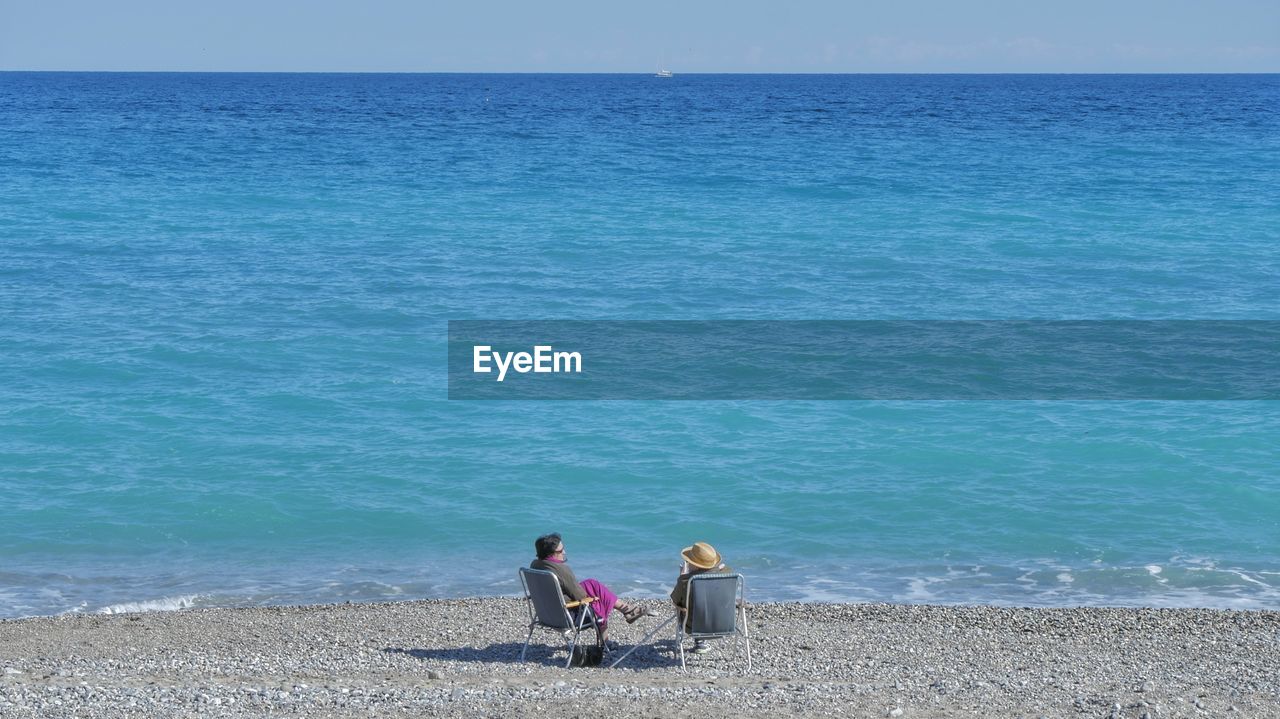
(635, 612)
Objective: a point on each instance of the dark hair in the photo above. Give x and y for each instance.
(546, 545)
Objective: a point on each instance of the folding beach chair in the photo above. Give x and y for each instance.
(548, 610)
(716, 609)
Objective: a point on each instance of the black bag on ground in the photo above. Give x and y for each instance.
(589, 655)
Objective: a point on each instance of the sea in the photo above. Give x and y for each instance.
(224, 302)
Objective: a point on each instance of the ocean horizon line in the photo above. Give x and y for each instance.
(641, 73)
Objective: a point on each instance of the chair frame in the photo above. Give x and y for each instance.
(572, 628)
(739, 631)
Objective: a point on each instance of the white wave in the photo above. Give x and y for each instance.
(1248, 578)
(390, 590)
(167, 604)
(918, 589)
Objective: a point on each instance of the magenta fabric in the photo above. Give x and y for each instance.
(605, 599)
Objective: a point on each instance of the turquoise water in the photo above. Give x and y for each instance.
(223, 307)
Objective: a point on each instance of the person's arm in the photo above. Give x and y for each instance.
(680, 591)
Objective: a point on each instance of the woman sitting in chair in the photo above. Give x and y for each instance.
(551, 558)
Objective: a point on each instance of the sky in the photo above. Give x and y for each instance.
(692, 36)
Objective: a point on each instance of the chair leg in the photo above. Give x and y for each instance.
(526, 642)
(680, 641)
(643, 640)
(572, 641)
(746, 636)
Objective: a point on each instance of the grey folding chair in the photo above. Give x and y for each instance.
(717, 608)
(715, 602)
(549, 610)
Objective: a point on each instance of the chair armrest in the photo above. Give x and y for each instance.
(579, 603)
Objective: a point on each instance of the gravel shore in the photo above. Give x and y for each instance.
(460, 658)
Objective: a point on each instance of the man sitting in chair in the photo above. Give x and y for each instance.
(698, 559)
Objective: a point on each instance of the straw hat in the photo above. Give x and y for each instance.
(701, 555)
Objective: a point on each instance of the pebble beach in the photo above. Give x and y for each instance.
(461, 658)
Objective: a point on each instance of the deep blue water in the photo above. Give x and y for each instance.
(223, 302)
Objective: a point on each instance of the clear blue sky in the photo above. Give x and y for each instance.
(602, 36)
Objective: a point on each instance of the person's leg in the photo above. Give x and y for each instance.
(605, 601)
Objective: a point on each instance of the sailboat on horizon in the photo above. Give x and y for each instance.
(662, 71)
